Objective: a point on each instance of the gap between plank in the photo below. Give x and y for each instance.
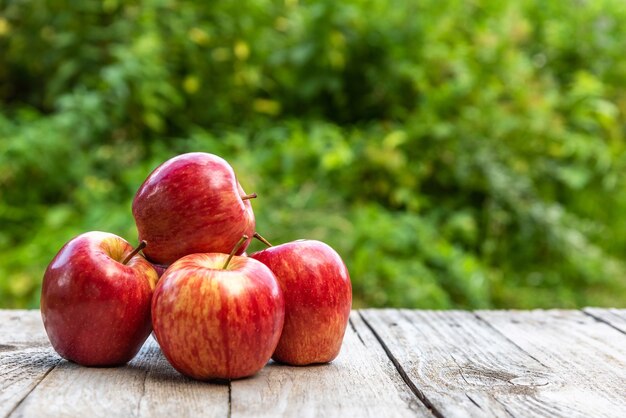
(420, 395)
(230, 398)
(602, 320)
(12, 411)
(355, 330)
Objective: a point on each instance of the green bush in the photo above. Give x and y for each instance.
(457, 154)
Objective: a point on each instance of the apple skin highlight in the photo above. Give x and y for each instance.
(191, 204)
(96, 310)
(215, 323)
(318, 298)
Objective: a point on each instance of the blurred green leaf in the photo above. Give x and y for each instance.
(457, 154)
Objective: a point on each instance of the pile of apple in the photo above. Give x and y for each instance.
(216, 313)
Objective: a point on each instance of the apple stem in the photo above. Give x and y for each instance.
(243, 239)
(248, 196)
(263, 240)
(140, 247)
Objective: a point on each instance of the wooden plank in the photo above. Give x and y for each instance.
(615, 318)
(360, 382)
(167, 393)
(375, 349)
(75, 391)
(21, 328)
(488, 363)
(588, 357)
(462, 366)
(147, 386)
(25, 356)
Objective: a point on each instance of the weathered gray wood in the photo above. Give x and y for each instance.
(21, 328)
(76, 391)
(375, 349)
(488, 363)
(148, 386)
(613, 317)
(464, 367)
(25, 356)
(588, 357)
(357, 383)
(444, 356)
(167, 393)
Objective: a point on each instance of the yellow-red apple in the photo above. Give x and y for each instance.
(217, 319)
(318, 298)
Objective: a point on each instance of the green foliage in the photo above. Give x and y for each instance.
(457, 154)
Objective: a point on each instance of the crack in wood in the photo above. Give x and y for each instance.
(472, 400)
(523, 383)
(460, 372)
(356, 332)
(603, 321)
(405, 377)
(230, 398)
(143, 393)
(15, 408)
(508, 339)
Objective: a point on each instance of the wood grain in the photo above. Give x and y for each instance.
(21, 328)
(73, 390)
(148, 386)
(167, 393)
(393, 363)
(368, 338)
(462, 366)
(615, 318)
(25, 356)
(588, 357)
(357, 383)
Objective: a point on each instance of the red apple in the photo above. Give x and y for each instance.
(318, 298)
(95, 303)
(216, 319)
(191, 204)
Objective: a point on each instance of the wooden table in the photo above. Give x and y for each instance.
(393, 363)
